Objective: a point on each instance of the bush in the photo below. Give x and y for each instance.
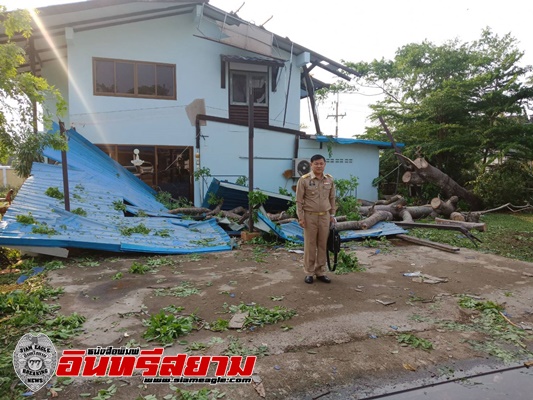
(510, 182)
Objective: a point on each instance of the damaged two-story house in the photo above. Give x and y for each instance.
(174, 88)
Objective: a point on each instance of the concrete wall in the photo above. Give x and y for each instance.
(225, 153)
(346, 160)
(8, 177)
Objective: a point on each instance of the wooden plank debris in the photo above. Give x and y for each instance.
(237, 321)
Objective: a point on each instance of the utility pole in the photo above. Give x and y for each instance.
(336, 116)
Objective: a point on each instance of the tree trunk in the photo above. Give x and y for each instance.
(239, 210)
(286, 221)
(278, 217)
(448, 186)
(365, 223)
(406, 216)
(393, 199)
(457, 216)
(418, 212)
(365, 203)
(472, 216)
(445, 208)
(393, 208)
(215, 210)
(412, 178)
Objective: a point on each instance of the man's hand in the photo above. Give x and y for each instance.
(301, 222)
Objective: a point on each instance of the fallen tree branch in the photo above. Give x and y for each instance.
(510, 207)
(480, 226)
(508, 320)
(429, 243)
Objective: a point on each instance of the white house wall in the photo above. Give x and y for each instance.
(273, 155)
(225, 153)
(139, 121)
(359, 160)
(122, 120)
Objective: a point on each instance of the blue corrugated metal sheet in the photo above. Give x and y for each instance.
(293, 232)
(97, 184)
(377, 143)
(235, 195)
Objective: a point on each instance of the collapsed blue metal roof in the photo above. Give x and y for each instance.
(99, 186)
(382, 145)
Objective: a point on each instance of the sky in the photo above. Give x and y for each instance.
(356, 30)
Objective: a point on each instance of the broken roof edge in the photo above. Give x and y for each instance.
(283, 43)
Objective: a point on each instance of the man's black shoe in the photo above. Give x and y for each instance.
(309, 279)
(324, 279)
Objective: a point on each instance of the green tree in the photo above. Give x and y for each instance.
(19, 92)
(460, 105)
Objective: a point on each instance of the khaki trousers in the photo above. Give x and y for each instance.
(316, 234)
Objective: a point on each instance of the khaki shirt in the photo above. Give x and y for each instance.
(315, 195)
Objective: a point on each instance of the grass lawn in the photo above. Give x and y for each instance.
(508, 235)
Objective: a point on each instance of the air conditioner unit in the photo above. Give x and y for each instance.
(301, 166)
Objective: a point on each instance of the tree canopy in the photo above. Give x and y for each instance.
(20, 92)
(461, 105)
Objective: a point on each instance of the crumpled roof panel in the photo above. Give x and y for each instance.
(101, 194)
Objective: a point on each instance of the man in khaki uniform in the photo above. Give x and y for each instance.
(315, 205)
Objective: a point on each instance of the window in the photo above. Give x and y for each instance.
(240, 87)
(134, 78)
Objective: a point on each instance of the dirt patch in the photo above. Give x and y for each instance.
(341, 335)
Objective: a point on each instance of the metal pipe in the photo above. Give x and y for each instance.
(64, 167)
(250, 150)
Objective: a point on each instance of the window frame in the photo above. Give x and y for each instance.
(135, 94)
(247, 73)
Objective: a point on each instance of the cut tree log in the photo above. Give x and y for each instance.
(434, 175)
(365, 223)
(365, 203)
(215, 210)
(391, 200)
(418, 212)
(406, 216)
(286, 221)
(393, 208)
(445, 208)
(472, 216)
(280, 216)
(479, 226)
(412, 178)
(457, 216)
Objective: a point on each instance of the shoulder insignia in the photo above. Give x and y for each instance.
(305, 176)
(329, 176)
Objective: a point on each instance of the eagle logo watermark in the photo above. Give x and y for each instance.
(35, 360)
